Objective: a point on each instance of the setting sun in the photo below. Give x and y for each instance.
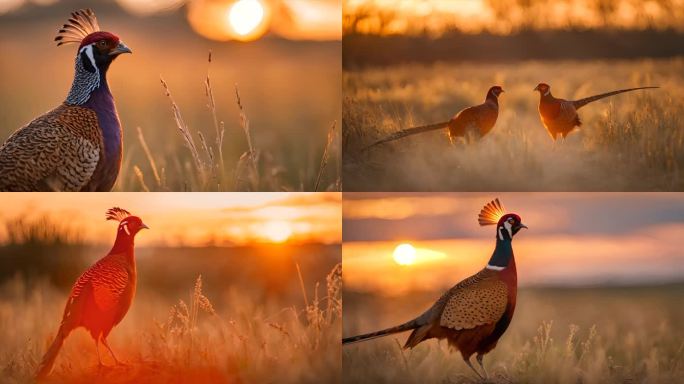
(277, 231)
(245, 16)
(404, 254)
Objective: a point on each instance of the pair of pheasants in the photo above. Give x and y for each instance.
(559, 116)
(76, 146)
(476, 312)
(102, 295)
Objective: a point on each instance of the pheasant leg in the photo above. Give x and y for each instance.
(473, 368)
(479, 360)
(104, 341)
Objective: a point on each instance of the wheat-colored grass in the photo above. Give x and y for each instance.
(633, 141)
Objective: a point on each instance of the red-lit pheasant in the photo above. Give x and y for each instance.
(102, 295)
(472, 122)
(560, 116)
(76, 146)
(476, 312)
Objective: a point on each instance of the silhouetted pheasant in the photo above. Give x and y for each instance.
(472, 122)
(102, 295)
(76, 146)
(560, 116)
(473, 314)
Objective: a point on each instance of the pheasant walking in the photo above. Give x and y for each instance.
(76, 146)
(102, 295)
(560, 116)
(472, 122)
(475, 313)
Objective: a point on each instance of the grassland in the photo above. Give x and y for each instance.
(558, 335)
(253, 314)
(630, 142)
(280, 135)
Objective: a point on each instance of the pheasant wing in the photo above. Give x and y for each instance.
(479, 300)
(58, 151)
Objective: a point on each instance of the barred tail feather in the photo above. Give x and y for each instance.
(413, 324)
(582, 102)
(408, 132)
(49, 358)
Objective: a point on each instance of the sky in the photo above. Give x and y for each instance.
(188, 219)
(224, 20)
(573, 238)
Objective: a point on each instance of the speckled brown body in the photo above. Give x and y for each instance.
(58, 151)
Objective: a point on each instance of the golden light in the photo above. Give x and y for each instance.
(309, 20)
(149, 7)
(243, 20)
(404, 254)
(277, 231)
(245, 15)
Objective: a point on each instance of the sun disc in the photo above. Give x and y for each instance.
(404, 254)
(245, 16)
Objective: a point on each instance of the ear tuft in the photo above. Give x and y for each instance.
(491, 213)
(117, 214)
(82, 23)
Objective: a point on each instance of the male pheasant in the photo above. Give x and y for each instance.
(76, 146)
(102, 295)
(560, 116)
(469, 123)
(475, 313)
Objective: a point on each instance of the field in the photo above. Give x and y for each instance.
(558, 335)
(629, 142)
(209, 315)
(281, 134)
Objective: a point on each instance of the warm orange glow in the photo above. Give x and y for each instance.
(149, 7)
(189, 219)
(277, 231)
(404, 254)
(309, 20)
(243, 20)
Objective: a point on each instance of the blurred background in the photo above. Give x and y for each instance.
(390, 32)
(416, 62)
(268, 265)
(603, 269)
(283, 55)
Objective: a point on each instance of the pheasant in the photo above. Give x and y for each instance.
(78, 145)
(560, 116)
(102, 295)
(471, 122)
(475, 313)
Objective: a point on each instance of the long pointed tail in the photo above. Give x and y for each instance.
(49, 358)
(413, 324)
(582, 102)
(408, 132)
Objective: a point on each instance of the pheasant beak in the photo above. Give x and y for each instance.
(144, 226)
(536, 88)
(521, 226)
(121, 48)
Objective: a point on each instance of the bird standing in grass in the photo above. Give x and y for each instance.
(476, 312)
(78, 145)
(102, 295)
(560, 116)
(470, 123)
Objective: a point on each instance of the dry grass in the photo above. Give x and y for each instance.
(597, 335)
(230, 339)
(631, 142)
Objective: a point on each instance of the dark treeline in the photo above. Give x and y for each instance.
(361, 50)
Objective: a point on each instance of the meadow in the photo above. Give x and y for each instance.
(629, 142)
(261, 116)
(558, 335)
(251, 314)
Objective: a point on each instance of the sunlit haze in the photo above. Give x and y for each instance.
(189, 219)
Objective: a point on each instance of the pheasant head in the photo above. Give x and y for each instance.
(543, 89)
(129, 225)
(507, 224)
(494, 92)
(96, 51)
